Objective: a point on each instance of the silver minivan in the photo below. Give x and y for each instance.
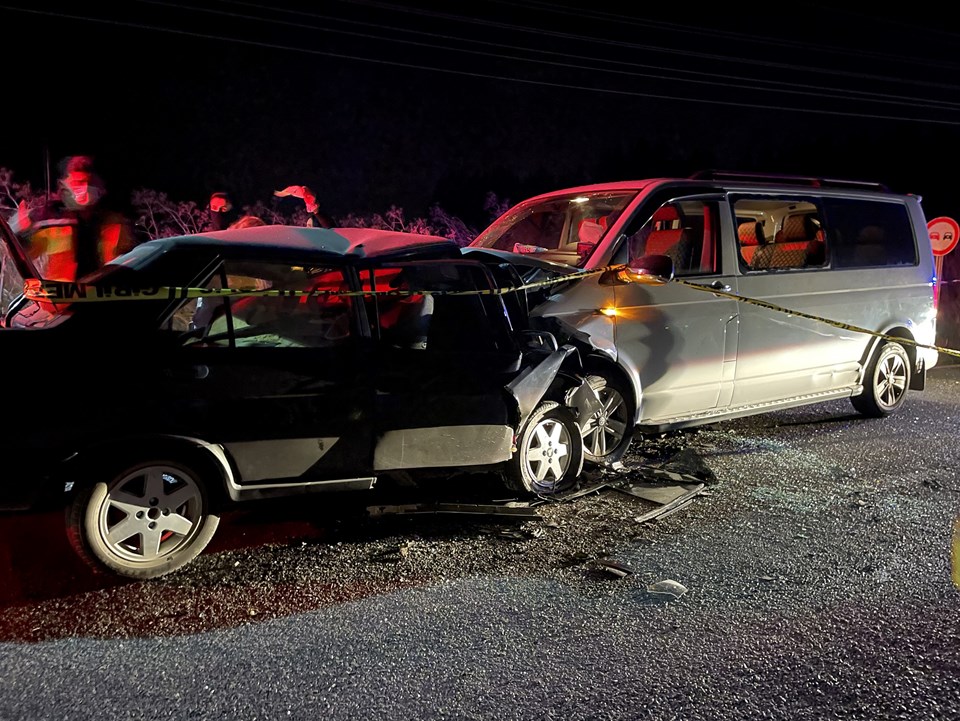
(694, 300)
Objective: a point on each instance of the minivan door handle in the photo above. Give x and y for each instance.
(720, 285)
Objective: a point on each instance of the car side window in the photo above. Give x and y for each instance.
(274, 320)
(402, 320)
(455, 312)
(684, 230)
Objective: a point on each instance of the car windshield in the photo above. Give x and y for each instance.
(564, 229)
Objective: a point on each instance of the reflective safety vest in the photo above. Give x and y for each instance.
(52, 245)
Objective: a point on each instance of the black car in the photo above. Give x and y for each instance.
(203, 371)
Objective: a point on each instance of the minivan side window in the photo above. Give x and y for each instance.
(684, 230)
(780, 233)
(868, 234)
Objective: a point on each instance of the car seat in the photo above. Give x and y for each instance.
(788, 249)
(667, 238)
(751, 237)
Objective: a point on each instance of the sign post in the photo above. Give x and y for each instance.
(944, 234)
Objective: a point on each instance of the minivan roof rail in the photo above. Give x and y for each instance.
(788, 180)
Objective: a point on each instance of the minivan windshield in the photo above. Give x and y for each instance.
(563, 229)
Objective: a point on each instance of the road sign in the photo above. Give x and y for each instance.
(944, 234)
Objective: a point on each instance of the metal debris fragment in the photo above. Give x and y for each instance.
(561, 497)
(473, 509)
(513, 535)
(672, 507)
(614, 568)
(396, 553)
(576, 559)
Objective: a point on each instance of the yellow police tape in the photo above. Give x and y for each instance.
(834, 323)
(59, 292)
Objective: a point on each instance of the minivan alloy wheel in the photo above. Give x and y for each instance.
(606, 432)
(885, 381)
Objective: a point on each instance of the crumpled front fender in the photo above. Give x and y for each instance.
(534, 380)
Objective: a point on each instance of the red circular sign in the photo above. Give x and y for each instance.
(944, 233)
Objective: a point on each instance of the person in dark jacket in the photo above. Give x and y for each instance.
(75, 233)
(221, 211)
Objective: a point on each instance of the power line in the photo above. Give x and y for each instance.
(740, 37)
(686, 52)
(811, 90)
(465, 73)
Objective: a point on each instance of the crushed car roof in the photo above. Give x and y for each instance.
(359, 242)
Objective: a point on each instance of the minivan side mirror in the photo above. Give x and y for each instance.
(648, 269)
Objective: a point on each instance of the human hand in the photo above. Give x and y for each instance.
(21, 219)
(302, 192)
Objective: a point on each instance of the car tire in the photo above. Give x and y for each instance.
(607, 433)
(885, 381)
(150, 519)
(549, 455)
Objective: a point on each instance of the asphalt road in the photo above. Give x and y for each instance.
(817, 569)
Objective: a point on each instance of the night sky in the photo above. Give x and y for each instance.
(374, 104)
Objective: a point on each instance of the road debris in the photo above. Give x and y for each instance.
(576, 559)
(518, 511)
(395, 553)
(673, 506)
(667, 587)
(614, 568)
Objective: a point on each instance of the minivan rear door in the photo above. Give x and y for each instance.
(785, 356)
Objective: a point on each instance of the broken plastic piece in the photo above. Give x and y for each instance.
(667, 587)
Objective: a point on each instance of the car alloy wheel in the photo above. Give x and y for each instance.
(151, 519)
(549, 456)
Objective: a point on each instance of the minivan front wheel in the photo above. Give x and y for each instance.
(149, 519)
(885, 381)
(549, 455)
(607, 432)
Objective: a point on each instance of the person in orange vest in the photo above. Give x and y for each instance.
(74, 234)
